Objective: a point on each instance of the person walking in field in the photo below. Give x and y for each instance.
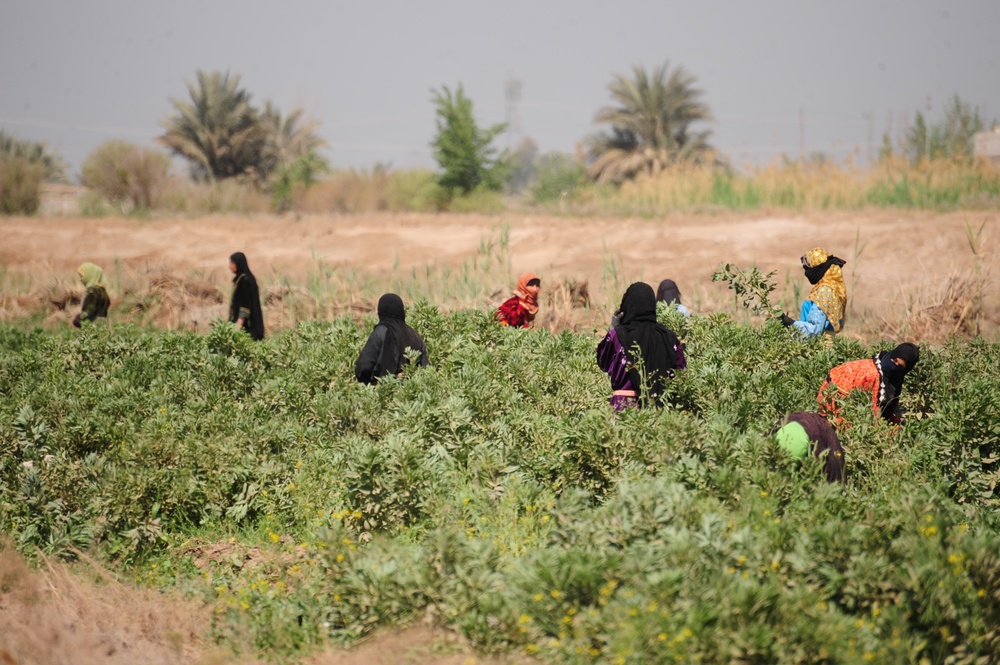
(519, 310)
(96, 300)
(636, 348)
(244, 308)
(881, 376)
(823, 311)
(671, 295)
(384, 354)
(800, 432)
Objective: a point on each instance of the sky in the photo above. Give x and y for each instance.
(779, 76)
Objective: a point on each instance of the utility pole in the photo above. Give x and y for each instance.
(802, 135)
(512, 91)
(927, 130)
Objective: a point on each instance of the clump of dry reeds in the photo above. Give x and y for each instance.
(955, 309)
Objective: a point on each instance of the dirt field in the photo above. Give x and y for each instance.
(897, 260)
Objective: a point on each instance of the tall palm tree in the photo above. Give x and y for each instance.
(650, 126)
(288, 138)
(218, 131)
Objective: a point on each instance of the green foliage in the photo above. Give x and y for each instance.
(650, 126)
(35, 152)
(557, 175)
(495, 492)
(750, 285)
(463, 150)
(950, 138)
(128, 176)
(20, 185)
(299, 174)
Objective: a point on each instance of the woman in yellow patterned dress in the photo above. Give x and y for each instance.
(823, 310)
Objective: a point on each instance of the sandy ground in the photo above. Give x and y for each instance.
(893, 256)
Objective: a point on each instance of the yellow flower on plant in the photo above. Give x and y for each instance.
(274, 537)
(556, 593)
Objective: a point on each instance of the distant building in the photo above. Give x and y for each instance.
(987, 145)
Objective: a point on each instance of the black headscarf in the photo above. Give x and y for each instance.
(893, 375)
(246, 294)
(656, 342)
(399, 336)
(668, 292)
(815, 273)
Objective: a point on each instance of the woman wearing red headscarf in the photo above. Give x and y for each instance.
(519, 310)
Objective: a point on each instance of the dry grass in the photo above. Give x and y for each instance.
(56, 616)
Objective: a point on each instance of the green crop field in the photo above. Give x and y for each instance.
(496, 493)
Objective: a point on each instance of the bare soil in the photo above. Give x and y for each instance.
(899, 262)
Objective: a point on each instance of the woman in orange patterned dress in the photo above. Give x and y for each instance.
(881, 375)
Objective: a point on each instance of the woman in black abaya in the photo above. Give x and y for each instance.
(244, 309)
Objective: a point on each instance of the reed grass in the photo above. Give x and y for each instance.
(894, 182)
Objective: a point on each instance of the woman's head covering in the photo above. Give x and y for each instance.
(240, 259)
(528, 295)
(390, 306)
(668, 292)
(908, 352)
(792, 437)
(656, 343)
(829, 291)
(91, 275)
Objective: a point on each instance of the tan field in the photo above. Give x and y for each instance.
(904, 269)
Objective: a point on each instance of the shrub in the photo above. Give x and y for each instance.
(129, 176)
(557, 175)
(20, 185)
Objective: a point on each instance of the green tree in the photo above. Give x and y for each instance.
(129, 176)
(462, 149)
(650, 125)
(951, 138)
(218, 131)
(35, 152)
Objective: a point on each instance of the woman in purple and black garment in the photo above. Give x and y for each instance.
(636, 336)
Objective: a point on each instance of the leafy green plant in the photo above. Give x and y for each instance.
(462, 149)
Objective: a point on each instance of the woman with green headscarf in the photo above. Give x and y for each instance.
(803, 432)
(96, 300)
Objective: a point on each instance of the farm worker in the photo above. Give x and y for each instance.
(638, 347)
(384, 353)
(881, 375)
(96, 300)
(799, 432)
(244, 308)
(669, 293)
(519, 310)
(823, 310)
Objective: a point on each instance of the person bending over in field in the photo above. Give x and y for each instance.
(881, 376)
(96, 300)
(519, 310)
(244, 308)
(823, 310)
(669, 293)
(799, 432)
(385, 351)
(636, 348)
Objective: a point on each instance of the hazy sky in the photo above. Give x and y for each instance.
(75, 74)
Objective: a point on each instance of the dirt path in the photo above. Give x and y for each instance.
(904, 253)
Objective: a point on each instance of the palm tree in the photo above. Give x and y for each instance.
(218, 130)
(289, 138)
(650, 126)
